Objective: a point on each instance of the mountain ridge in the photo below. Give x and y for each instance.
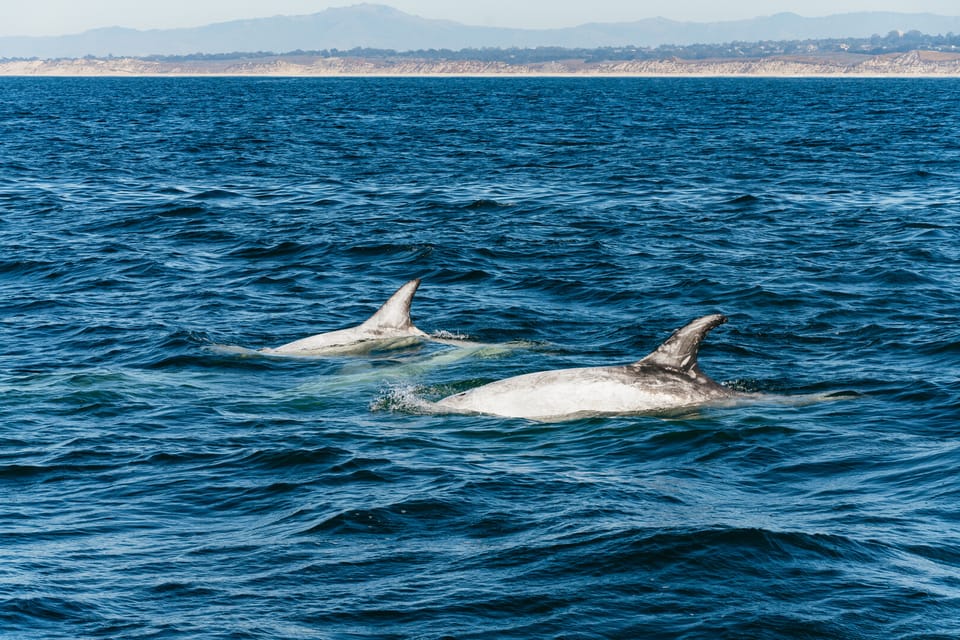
(384, 27)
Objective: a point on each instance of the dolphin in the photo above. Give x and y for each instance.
(389, 327)
(667, 379)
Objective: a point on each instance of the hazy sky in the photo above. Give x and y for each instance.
(56, 17)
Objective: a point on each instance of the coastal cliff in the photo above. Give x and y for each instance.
(909, 64)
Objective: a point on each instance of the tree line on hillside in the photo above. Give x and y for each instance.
(893, 42)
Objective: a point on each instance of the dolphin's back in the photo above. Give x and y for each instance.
(390, 323)
(568, 393)
(667, 379)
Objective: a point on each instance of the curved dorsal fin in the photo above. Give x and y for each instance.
(395, 312)
(680, 349)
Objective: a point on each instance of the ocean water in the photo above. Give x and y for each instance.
(154, 484)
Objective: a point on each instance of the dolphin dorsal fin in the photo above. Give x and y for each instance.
(395, 312)
(680, 349)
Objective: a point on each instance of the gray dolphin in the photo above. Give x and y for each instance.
(667, 379)
(389, 327)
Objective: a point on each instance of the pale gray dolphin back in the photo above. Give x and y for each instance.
(666, 379)
(390, 325)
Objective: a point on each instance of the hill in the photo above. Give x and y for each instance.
(381, 27)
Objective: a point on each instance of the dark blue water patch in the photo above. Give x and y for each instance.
(162, 479)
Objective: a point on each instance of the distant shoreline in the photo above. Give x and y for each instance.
(912, 64)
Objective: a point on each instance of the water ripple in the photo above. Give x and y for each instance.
(162, 479)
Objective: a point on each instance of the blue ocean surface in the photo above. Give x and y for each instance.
(159, 480)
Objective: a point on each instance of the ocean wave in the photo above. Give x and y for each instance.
(160, 483)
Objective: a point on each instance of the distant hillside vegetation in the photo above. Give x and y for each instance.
(370, 26)
(893, 42)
